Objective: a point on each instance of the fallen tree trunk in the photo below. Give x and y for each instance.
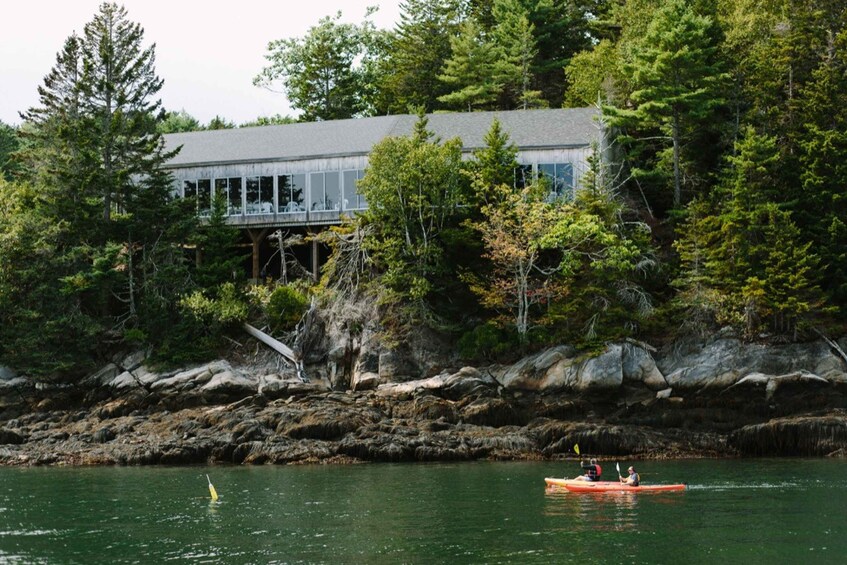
(280, 348)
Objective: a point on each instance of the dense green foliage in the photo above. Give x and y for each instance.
(285, 308)
(415, 193)
(93, 245)
(721, 200)
(320, 73)
(9, 144)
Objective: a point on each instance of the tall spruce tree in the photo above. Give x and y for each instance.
(96, 155)
(677, 85)
(561, 30)
(471, 71)
(417, 52)
(763, 272)
(514, 36)
(821, 204)
(9, 144)
(117, 96)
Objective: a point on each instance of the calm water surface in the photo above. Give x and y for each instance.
(748, 511)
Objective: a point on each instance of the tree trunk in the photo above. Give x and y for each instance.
(676, 174)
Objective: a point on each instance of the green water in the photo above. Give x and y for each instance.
(749, 511)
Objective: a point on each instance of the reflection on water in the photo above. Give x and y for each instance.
(734, 511)
(607, 511)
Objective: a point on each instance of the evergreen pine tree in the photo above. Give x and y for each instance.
(677, 82)
(821, 205)
(216, 241)
(417, 52)
(471, 71)
(96, 155)
(117, 90)
(514, 36)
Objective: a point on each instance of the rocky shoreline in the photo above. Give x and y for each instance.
(718, 399)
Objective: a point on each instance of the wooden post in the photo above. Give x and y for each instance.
(256, 237)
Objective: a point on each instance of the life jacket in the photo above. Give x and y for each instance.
(598, 470)
(637, 480)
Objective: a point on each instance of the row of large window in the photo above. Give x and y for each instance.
(559, 178)
(279, 194)
(332, 190)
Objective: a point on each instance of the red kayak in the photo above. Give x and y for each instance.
(608, 486)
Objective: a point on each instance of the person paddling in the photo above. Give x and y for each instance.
(633, 479)
(593, 471)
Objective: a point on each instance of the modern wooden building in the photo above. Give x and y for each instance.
(303, 176)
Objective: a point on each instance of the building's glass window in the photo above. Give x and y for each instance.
(298, 190)
(230, 188)
(189, 189)
(559, 177)
(353, 200)
(260, 195)
(254, 205)
(283, 187)
(222, 190)
(235, 205)
(316, 186)
(332, 191)
(291, 190)
(325, 191)
(204, 197)
(523, 176)
(266, 194)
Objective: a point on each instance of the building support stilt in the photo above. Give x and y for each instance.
(256, 237)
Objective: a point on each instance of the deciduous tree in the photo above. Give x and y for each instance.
(415, 192)
(319, 72)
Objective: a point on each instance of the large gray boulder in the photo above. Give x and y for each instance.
(191, 378)
(725, 361)
(604, 372)
(6, 373)
(638, 366)
(560, 368)
(551, 370)
(231, 383)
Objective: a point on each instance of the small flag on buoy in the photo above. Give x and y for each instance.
(212, 490)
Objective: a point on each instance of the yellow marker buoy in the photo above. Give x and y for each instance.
(212, 490)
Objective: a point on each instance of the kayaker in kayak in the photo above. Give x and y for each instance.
(633, 479)
(593, 471)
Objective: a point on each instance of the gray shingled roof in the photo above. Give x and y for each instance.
(572, 127)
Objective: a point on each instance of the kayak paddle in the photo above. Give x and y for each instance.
(618, 467)
(576, 448)
(212, 490)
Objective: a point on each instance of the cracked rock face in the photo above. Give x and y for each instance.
(714, 399)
